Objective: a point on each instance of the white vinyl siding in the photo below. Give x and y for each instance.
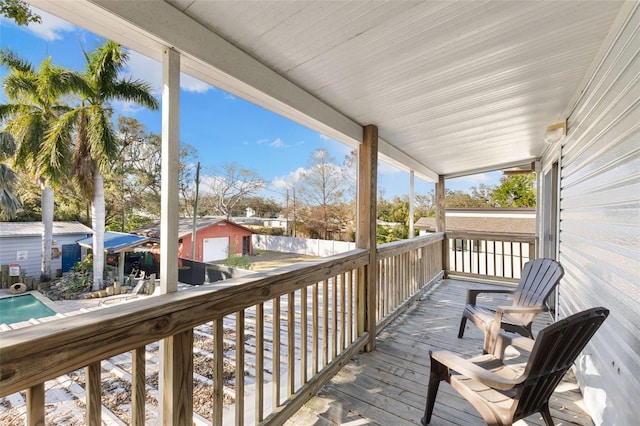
(599, 228)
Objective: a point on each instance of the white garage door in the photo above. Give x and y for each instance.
(215, 249)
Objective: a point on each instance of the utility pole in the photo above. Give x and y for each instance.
(195, 215)
(287, 217)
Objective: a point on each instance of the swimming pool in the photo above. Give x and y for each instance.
(22, 308)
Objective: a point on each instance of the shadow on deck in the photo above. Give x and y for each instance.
(388, 386)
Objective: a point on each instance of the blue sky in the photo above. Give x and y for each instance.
(223, 128)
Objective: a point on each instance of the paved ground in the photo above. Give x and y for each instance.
(266, 260)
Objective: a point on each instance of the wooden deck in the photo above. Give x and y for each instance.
(388, 386)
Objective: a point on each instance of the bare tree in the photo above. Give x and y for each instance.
(322, 191)
(231, 184)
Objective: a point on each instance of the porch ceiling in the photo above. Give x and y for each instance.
(454, 87)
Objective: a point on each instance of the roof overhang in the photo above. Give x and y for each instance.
(115, 242)
(455, 88)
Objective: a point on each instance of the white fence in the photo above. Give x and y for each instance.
(308, 246)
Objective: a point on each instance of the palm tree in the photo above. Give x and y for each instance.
(9, 204)
(35, 106)
(95, 141)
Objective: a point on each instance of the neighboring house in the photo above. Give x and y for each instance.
(21, 243)
(493, 220)
(250, 219)
(216, 238)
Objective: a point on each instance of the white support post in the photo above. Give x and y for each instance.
(412, 197)
(170, 163)
(176, 358)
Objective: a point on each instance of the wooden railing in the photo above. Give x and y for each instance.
(262, 344)
(492, 256)
(403, 268)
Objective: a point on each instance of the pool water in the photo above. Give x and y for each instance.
(22, 308)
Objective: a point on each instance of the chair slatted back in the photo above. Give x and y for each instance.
(539, 278)
(555, 349)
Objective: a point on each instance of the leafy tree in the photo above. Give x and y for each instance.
(95, 142)
(34, 109)
(517, 190)
(18, 11)
(9, 203)
(231, 184)
(187, 180)
(264, 207)
(322, 192)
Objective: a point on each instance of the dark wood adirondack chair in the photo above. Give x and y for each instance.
(539, 278)
(501, 394)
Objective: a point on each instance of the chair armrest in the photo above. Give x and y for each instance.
(472, 371)
(511, 339)
(472, 294)
(519, 310)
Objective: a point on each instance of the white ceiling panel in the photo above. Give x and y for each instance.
(453, 86)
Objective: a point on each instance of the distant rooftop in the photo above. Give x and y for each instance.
(185, 225)
(28, 229)
(510, 221)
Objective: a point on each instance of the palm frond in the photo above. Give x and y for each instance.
(14, 62)
(7, 145)
(137, 91)
(102, 140)
(9, 204)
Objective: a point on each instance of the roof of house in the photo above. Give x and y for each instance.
(509, 221)
(185, 226)
(115, 242)
(28, 229)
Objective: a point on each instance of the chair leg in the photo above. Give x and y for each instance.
(438, 373)
(546, 415)
(463, 323)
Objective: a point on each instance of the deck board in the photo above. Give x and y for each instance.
(388, 386)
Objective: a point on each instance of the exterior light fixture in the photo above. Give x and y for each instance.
(555, 133)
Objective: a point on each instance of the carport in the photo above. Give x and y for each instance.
(117, 242)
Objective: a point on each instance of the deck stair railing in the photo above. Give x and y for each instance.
(258, 347)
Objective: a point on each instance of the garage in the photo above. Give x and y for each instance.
(215, 249)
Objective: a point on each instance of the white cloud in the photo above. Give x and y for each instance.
(287, 181)
(261, 141)
(51, 28)
(324, 138)
(279, 143)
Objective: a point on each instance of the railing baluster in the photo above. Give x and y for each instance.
(314, 330)
(35, 405)
(303, 336)
(259, 402)
(218, 371)
(291, 344)
(93, 394)
(138, 383)
(343, 324)
(275, 368)
(334, 317)
(325, 323)
(349, 306)
(239, 368)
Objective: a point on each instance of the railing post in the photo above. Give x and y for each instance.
(441, 225)
(366, 229)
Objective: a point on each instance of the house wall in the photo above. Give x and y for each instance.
(599, 230)
(29, 249)
(222, 229)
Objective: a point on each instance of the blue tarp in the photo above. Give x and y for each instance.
(115, 242)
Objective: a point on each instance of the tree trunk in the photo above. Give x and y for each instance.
(98, 223)
(47, 231)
